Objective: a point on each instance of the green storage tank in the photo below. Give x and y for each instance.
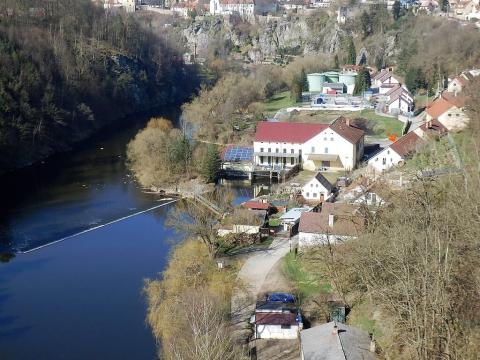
(315, 82)
(348, 78)
(332, 77)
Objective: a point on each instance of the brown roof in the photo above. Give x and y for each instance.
(256, 205)
(462, 80)
(456, 100)
(275, 319)
(434, 125)
(227, 2)
(439, 107)
(347, 221)
(407, 144)
(343, 127)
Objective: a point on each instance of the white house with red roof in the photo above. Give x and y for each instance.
(385, 78)
(244, 8)
(448, 109)
(397, 152)
(399, 100)
(282, 145)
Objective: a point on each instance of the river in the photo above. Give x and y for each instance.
(74, 288)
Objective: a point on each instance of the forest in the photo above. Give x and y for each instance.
(68, 68)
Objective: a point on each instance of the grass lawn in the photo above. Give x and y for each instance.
(307, 286)
(278, 101)
(381, 126)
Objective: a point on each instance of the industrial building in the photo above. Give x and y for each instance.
(332, 82)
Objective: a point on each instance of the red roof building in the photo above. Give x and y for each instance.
(296, 133)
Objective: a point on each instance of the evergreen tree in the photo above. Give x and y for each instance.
(351, 52)
(397, 10)
(211, 164)
(363, 81)
(304, 80)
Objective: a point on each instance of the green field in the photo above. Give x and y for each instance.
(379, 126)
(278, 101)
(306, 285)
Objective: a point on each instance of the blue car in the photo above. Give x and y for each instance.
(281, 297)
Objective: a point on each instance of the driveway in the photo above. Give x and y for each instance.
(251, 278)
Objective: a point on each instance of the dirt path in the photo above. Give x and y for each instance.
(252, 276)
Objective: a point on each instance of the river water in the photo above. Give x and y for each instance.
(73, 290)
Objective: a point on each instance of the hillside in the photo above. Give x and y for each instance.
(67, 69)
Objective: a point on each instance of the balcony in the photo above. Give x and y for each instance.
(277, 155)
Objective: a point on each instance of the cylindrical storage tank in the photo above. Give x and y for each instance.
(315, 82)
(348, 78)
(331, 76)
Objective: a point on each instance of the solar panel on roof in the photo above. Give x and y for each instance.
(238, 153)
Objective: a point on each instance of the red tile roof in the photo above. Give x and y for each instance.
(256, 205)
(343, 127)
(407, 144)
(439, 107)
(287, 132)
(275, 319)
(456, 100)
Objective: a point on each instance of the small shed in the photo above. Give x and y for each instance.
(292, 217)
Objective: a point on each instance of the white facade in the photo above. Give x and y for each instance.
(401, 105)
(326, 150)
(384, 160)
(390, 80)
(276, 331)
(127, 5)
(306, 239)
(454, 119)
(315, 191)
(245, 9)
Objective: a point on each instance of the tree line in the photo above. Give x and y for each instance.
(67, 68)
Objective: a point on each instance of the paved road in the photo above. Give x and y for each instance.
(251, 278)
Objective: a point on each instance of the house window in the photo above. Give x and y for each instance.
(316, 185)
(285, 326)
(308, 194)
(284, 151)
(314, 195)
(449, 114)
(326, 150)
(313, 150)
(269, 149)
(384, 161)
(388, 152)
(331, 138)
(261, 149)
(276, 150)
(311, 185)
(276, 160)
(261, 159)
(325, 138)
(376, 159)
(291, 151)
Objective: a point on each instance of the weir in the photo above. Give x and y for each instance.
(97, 227)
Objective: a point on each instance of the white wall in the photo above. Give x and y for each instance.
(313, 190)
(309, 239)
(273, 146)
(384, 160)
(454, 119)
(276, 332)
(335, 144)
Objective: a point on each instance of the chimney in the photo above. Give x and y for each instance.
(335, 329)
(429, 124)
(347, 121)
(331, 220)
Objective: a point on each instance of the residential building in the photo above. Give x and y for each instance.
(431, 128)
(281, 145)
(385, 78)
(318, 189)
(320, 3)
(244, 8)
(276, 320)
(363, 195)
(335, 222)
(342, 15)
(449, 110)
(397, 152)
(399, 100)
(336, 341)
(294, 4)
(291, 218)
